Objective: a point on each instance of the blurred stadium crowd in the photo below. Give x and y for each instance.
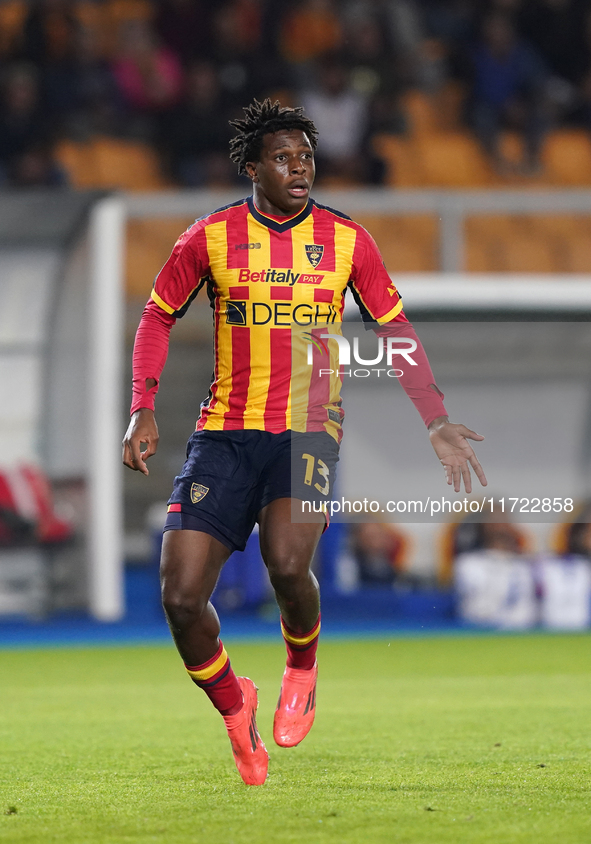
(500, 576)
(170, 74)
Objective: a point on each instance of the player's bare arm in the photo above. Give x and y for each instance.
(450, 442)
(142, 430)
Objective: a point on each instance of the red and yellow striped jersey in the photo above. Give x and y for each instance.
(265, 275)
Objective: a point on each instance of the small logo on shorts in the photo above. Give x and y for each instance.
(198, 491)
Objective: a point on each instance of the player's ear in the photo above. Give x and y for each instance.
(251, 171)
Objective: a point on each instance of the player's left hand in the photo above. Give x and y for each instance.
(450, 442)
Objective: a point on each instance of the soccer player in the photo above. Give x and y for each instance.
(267, 262)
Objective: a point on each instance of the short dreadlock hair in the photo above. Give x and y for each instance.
(261, 119)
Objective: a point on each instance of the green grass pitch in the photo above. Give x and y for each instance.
(417, 741)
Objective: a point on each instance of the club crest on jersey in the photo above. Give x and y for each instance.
(198, 492)
(314, 253)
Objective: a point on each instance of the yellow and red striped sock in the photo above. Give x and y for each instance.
(218, 681)
(301, 647)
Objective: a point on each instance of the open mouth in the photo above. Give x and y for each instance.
(299, 189)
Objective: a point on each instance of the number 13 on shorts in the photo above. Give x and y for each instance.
(322, 469)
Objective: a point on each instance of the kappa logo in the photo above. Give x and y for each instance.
(314, 253)
(198, 492)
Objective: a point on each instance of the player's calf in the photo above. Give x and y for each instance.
(236, 700)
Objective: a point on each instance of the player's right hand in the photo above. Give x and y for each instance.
(142, 430)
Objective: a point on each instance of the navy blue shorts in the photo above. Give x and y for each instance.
(229, 476)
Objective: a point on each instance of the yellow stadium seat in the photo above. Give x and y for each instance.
(511, 147)
(481, 254)
(526, 253)
(111, 163)
(438, 153)
(577, 254)
(571, 234)
(407, 244)
(148, 245)
(505, 243)
(562, 225)
(422, 114)
(489, 225)
(403, 168)
(452, 159)
(567, 158)
(440, 111)
(450, 105)
(79, 162)
(128, 165)
(411, 256)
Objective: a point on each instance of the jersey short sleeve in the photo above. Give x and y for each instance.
(183, 275)
(373, 289)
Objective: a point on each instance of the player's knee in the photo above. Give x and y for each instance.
(287, 574)
(182, 607)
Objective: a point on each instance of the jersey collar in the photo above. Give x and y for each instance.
(273, 222)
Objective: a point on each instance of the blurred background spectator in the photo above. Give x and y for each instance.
(342, 116)
(183, 26)
(494, 581)
(367, 70)
(194, 136)
(49, 32)
(378, 553)
(508, 89)
(149, 77)
(310, 30)
(81, 90)
(500, 583)
(26, 132)
(564, 577)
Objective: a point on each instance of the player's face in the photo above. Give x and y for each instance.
(285, 174)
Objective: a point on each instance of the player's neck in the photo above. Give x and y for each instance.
(266, 207)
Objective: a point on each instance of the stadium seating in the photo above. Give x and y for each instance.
(149, 243)
(567, 158)
(407, 244)
(127, 164)
(494, 243)
(438, 151)
(111, 163)
(505, 243)
(453, 159)
(77, 159)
